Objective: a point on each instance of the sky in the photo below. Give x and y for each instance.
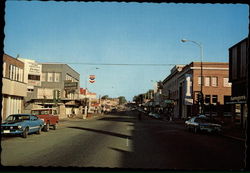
(106, 38)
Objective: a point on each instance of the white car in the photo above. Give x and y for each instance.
(203, 123)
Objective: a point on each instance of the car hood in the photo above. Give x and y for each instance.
(12, 123)
(210, 124)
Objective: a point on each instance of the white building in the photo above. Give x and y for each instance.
(32, 73)
(13, 88)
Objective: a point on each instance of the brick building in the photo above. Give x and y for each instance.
(215, 86)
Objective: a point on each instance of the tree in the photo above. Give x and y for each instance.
(122, 100)
(105, 97)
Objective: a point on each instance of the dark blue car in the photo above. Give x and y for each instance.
(21, 124)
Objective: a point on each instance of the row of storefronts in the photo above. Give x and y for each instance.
(223, 87)
(29, 85)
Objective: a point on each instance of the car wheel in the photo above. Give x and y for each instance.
(46, 127)
(39, 130)
(55, 127)
(25, 132)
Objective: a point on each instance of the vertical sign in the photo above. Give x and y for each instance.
(91, 78)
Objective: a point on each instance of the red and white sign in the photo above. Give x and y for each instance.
(91, 78)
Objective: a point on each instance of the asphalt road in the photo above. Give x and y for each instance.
(122, 141)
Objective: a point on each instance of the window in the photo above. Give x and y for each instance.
(4, 69)
(14, 72)
(17, 74)
(21, 75)
(214, 99)
(207, 99)
(43, 78)
(50, 77)
(33, 77)
(226, 82)
(199, 80)
(57, 77)
(207, 81)
(11, 71)
(214, 81)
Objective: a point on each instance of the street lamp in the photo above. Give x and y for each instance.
(201, 56)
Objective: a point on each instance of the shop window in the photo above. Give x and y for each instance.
(207, 99)
(33, 77)
(214, 99)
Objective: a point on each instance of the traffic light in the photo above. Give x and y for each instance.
(200, 98)
(58, 94)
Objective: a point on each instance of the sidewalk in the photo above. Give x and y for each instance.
(234, 132)
(81, 117)
(230, 131)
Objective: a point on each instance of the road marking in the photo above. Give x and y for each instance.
(127, 141)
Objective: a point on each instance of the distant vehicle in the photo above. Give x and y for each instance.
(21, 124)
(155, 115)
(48, 115)
(202, 123)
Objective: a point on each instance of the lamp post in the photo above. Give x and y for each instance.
(201, 57)
(86, 79)
(86, 100)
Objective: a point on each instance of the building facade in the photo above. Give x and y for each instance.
(170, 88)
(59, 88)
(185, 84)
(32, 76)
(13, 88)
(238, 63)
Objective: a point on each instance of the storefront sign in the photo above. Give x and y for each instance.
(68, 85)
(34, 68)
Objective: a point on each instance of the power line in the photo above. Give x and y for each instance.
(120, 64)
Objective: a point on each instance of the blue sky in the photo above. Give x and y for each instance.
(122, 33)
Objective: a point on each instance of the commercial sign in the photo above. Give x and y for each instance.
(91, 78)
(188, 100)
(68, 85)
(237, 100)
(34, 68)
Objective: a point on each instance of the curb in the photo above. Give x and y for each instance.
(233, 137)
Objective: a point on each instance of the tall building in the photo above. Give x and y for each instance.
(13, 88)
(238, 63)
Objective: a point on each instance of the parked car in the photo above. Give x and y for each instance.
(21, 124)
(155, 115)
(48, 115)
(202, 123)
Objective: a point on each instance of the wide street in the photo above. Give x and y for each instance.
(122, 141)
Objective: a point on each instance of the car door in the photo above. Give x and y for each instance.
(34, 123)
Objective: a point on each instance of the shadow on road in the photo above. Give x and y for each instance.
(103, 132)
(159, 145)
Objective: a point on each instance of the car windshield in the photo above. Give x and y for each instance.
(40, 112)
(201, 120)
(17, 117)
